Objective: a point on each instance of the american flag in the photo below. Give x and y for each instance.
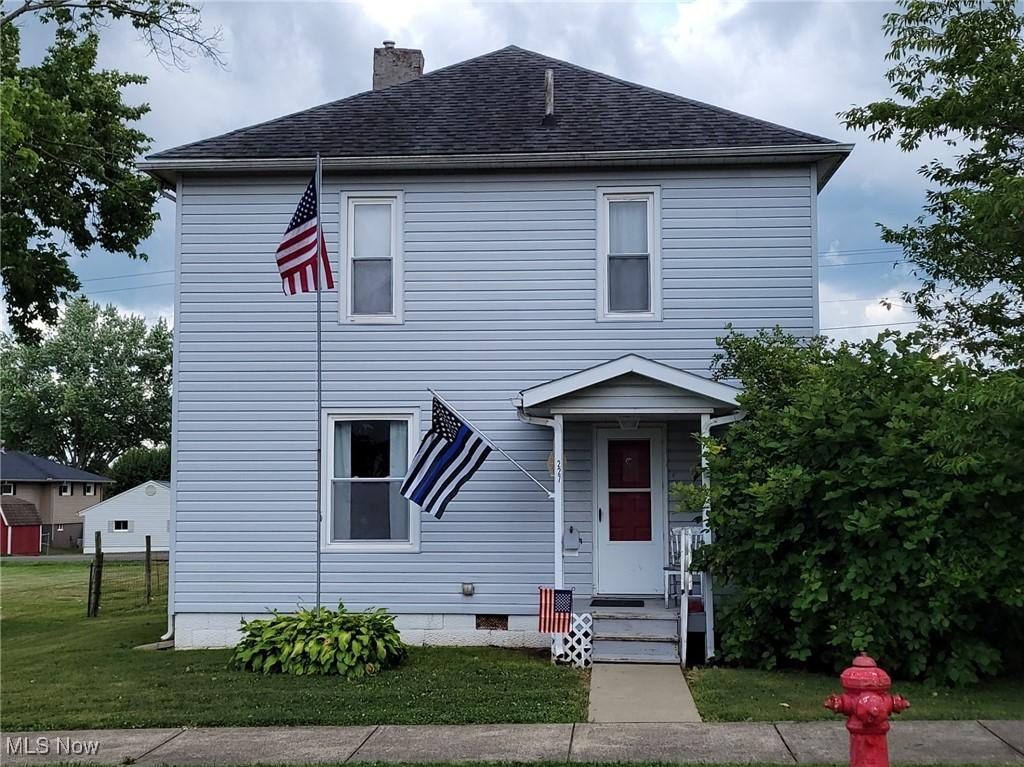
(555, 616)
(449, 455)
(297, 253)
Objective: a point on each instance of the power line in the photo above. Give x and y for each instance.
(133, 287)
(875, 325)
(865, 263)
(858, 251)
(892, 301)
(127, 276)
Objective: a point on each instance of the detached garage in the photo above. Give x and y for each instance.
(21, 527)
(125, 520)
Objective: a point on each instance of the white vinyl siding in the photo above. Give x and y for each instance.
(629, 254)
(372, 281)
(500, 293)
(145, 508)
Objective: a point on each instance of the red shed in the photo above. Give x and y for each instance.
(21, 528)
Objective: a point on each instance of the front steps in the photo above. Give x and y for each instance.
(635, 634)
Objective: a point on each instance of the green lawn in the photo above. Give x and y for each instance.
(739, 695)
(63, 670)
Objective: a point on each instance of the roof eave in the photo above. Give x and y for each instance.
(828, 157)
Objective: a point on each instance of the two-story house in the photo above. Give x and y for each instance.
(56, 492)
(553, 250)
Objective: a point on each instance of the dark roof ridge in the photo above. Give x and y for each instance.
(669, 95)
(325, 104)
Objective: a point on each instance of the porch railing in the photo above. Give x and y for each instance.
(692, 538)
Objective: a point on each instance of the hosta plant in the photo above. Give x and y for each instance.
(320, 642)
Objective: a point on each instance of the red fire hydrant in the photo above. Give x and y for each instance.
(867, 703)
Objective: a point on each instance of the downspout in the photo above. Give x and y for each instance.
(172, 537)
(558, 496)
(707, 423)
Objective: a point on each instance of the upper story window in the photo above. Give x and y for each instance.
(629, 254)
(367, 458)
(8, 488)
(89, 488)
(373, 257)
(64, 488)
(121, 526)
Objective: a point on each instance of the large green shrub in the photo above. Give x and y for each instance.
(872, 499)
(320, 642)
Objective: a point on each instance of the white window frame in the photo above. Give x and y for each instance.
(652, 196)
(331, 417)
(127, 526)
(345, 304)
(12, 485)
(89, 488)
(70, 490)
(60, 528)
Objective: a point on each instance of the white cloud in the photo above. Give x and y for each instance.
(861, 316)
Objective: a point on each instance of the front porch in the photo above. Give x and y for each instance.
(623, 434)
(650, 632)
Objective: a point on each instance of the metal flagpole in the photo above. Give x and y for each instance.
(319, 419)
(491, 444)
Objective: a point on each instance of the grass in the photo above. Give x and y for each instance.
(746, 695)
(63, 670)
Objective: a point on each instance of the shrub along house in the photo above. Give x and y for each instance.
(57, 493)
(554, 250)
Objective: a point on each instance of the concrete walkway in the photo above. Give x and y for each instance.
(635, 692)
(967, 742)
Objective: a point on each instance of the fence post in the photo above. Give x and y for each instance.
(97, 580)
(149, 569)
(88, 594)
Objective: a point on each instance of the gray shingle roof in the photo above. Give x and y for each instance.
(19, 512)
(495, 104)
(22, 467)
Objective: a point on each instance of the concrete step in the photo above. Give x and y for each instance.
(617, 651)
(628, 629)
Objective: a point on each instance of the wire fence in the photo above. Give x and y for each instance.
(120, 584)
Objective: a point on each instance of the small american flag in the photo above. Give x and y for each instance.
(555, 611)
(304, 240)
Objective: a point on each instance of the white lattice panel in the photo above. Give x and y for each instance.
(576, 647)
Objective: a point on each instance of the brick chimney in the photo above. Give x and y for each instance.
(392, 65)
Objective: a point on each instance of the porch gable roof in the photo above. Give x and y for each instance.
(717, 393)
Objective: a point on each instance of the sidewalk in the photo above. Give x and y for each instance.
(966, 742)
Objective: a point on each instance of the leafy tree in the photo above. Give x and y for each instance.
(98, 384)
(69, 147)
(958, 75)
(137, 465)
(872, 499)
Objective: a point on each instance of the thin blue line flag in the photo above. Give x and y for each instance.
(449, 455)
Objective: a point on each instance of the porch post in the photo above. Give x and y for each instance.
(709, 600)
(559, 500)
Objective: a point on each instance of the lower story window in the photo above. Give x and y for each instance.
(121, 524)
(367, 459)
(60, 528)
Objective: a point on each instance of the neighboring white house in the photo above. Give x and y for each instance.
(126, 519)
(554, 251)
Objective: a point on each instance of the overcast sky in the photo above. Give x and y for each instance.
(797, 64)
